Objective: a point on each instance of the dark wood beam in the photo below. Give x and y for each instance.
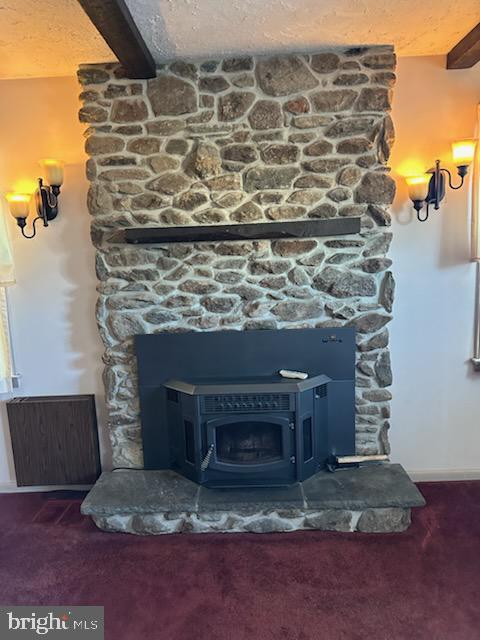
(113, 20)
(254, 231)
(467, 52)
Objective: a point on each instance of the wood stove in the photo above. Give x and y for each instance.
(214, 407)
(251, 431)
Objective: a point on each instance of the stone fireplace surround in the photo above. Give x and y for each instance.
(237, 140)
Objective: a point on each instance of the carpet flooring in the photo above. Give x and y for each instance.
(423, 584)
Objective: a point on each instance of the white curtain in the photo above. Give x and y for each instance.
(7, 277)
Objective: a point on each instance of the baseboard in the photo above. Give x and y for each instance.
(11, 487)
(445, 475)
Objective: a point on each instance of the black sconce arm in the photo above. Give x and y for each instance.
(22, 223)
(462, 172)
(418, 206)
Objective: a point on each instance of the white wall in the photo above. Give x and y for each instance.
(436, 406)
(55, 340)
(436, 395)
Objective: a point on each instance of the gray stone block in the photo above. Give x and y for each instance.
(329, 520)
(384, 520)
(140, 492)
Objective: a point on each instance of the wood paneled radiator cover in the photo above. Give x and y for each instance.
(54, 440)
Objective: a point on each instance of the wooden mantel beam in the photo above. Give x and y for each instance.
(252, 231)
(113, 20)
(467, 52)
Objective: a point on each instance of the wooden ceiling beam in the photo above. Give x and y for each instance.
(113, 20)
(467, 52)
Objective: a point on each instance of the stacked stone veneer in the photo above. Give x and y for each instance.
(242, 140)
(380, 520)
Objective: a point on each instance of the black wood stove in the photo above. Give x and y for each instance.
(224, 417)
(248, 431)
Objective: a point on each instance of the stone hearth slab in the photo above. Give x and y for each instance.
(374, 499)
(367, 487)
(139, 491)
(251, 499)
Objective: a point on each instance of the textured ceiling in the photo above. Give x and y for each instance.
(41, 38)
(51, 37)
(175, 28)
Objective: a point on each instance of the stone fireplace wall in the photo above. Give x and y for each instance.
(242, 140)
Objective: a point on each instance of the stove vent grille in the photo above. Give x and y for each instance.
(241, 403)
(321, 391)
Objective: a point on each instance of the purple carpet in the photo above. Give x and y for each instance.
(422, 584)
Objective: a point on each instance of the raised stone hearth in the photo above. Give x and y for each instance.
(375, 499)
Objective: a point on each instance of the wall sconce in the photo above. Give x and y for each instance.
(429, 189)
(46, 198)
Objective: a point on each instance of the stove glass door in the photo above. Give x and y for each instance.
(248, 442)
